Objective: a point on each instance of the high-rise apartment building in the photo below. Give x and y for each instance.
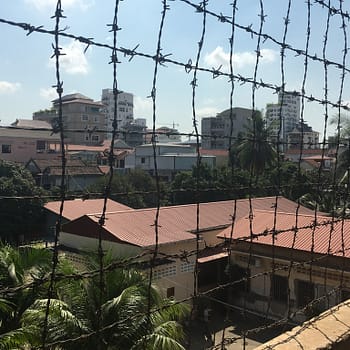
(216, 131)
(125, 109)
(283, 117)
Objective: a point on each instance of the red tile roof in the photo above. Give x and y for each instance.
(305, 151)
(137, 227)
(263, 222)
(318, 157)
(76, 208)
(214, 152)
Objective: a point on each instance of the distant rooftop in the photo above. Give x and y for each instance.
(31, 124)
(77, 97)
(28, 133)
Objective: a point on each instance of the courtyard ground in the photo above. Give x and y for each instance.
(233, 328)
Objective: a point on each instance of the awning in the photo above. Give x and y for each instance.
(213, 257)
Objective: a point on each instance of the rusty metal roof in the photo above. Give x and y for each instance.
(297, 232)
(76, 208)
(177, 222)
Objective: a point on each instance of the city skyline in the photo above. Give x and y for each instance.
(23, 90)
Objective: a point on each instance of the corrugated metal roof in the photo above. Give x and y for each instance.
(74, 170)
(137, 227)
(292, 227)
(76, 208)
(73, 167)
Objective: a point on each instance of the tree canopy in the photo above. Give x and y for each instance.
(21, 207)
(136, 189)
(123, 305)
(255, 153)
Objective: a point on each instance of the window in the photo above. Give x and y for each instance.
(166, 271)
(143, 160)
(84, 118)
(95, 138)
(306, 293)
(170, 292)
(187, 266)
(279, 285)
(40, 145)
(6, 149)
(122, 163)
(121, 109)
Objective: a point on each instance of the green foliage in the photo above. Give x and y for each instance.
(19, 217)
(18, 266)
(254, 152)
(136, 189)
(213, 184)
(124, 302)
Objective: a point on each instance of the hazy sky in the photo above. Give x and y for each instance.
(27, 72)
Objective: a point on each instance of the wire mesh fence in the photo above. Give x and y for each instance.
(282, 266)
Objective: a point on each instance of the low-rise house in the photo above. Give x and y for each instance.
(48, 173)
(221, 156)
(99, 154)
(311, 159)
(21, 144)
(132, 232)
(294, 155)
(170, 159)
(317, 162)
(293, 261)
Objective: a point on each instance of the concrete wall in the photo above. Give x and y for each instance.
(22, 149)
(330, 330)
(260, 286)
(91, 244)
(177, 274)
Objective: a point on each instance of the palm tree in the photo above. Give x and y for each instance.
(255, 152)
(124, 322)
(17, 267)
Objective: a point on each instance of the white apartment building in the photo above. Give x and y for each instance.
(170, 159)
(284, 116)
(125, 111)
(302, 136)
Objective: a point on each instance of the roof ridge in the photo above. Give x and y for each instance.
(291, 213)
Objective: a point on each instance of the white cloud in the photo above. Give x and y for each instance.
(44, 5)
(48, 93)
(9, 88)
(207, 111)
(73, 59)
(219, 57)
(142, 106)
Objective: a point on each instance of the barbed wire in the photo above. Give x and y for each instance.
(190, 67)
(154, 255)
